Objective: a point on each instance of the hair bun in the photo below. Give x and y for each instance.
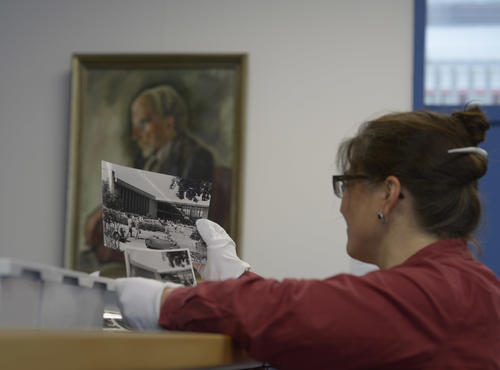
(475, 122)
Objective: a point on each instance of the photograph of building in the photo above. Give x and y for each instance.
(144, 209)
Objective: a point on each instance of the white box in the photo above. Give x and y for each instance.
(34, 296)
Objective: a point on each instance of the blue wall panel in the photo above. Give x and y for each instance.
(489, 187)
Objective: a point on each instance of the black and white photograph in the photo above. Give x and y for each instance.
(171, 265)
(149, 210)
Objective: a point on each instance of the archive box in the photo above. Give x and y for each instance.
(34, 296)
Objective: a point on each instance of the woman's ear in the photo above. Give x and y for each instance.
(392, 191)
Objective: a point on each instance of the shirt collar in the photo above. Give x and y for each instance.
(441, 248)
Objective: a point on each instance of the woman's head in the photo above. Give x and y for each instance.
(413, 147)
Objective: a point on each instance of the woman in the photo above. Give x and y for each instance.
(410, 201)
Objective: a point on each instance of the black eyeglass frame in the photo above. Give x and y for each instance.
(337, 180)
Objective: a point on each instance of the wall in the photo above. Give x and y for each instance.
(316, 70)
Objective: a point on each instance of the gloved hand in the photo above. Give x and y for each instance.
(139, 301)
(222, 261)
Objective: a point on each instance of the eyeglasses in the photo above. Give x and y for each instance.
(340, 182)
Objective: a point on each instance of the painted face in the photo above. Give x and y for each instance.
(359, 208)
(146, 126)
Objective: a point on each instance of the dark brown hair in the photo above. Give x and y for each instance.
(413, 146)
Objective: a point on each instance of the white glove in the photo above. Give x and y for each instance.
(222, 261)
(139, 301)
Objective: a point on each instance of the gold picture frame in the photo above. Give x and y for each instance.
(104, 87)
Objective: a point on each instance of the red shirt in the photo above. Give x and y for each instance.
(438, 310)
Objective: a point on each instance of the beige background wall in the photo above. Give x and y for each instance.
(317, 68)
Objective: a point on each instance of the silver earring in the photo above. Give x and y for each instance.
(381, 217)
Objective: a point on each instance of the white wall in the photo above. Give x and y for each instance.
(317, 68)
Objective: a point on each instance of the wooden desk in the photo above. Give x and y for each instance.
(41, 350)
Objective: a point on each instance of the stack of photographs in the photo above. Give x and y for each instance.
(165, 265)
(151, 217)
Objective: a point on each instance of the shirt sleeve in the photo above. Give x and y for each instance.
(384, 318)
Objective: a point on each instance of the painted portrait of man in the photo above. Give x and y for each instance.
(159, 118)
(180, 122)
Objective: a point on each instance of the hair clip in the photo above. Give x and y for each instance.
(470, 149)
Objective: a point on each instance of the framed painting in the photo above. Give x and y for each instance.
(180, 115)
